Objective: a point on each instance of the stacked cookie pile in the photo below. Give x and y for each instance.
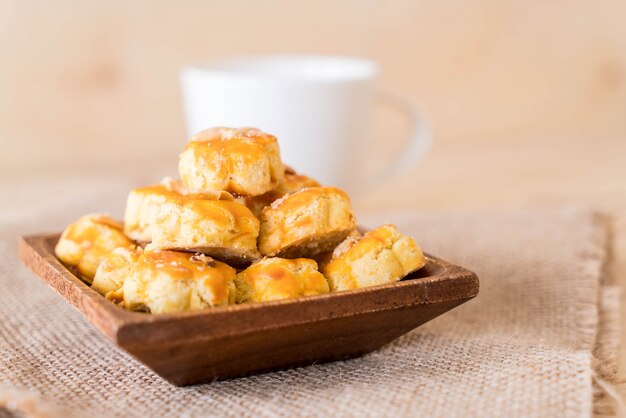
(237, 227)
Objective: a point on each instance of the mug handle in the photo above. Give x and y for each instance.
(420, 138)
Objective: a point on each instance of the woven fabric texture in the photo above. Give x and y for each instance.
(522, 348)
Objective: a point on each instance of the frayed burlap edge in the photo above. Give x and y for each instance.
(609, 383)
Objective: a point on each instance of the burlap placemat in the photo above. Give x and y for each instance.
(524, 347)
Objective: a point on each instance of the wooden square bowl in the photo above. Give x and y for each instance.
(238, 340)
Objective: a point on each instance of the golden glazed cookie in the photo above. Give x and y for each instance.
(172, 281)
(143, 205)
(85, 243)
(113, 270)
(291, 183)
(279, 278)
(223, 229)
(381, 256)
(243, 161)
(306, 223)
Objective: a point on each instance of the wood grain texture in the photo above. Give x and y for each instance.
(100, 78)
(238, 340)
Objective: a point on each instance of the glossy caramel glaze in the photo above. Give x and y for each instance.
(143, 205)
(383, 255)
(279, 278)
(304, 197)
(84, 244)
(224, 213)
(244, 161)
(172, 281)
(181, 265)
(226, 230)
(306, 223)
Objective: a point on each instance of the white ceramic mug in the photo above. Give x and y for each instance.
(319, 107)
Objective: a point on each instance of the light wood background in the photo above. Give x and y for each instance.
(86, 80)
(527, 98)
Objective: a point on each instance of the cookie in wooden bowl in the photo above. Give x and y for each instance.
(381, 256)
(244, 162)
(172, 281)
(224, 229)
(197, 329)
(279, 278)
(306, 223)
(86, 242)
(143, 205)
(199, 346)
